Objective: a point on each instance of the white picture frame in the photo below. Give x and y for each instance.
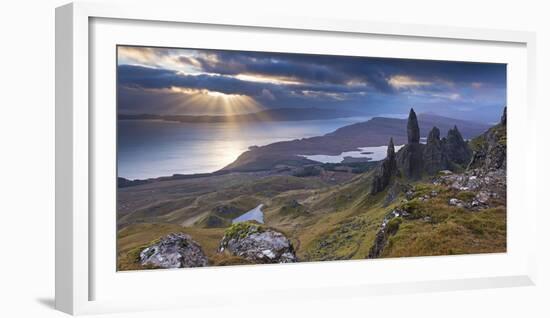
(77, 253)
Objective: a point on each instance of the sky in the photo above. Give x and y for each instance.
(220, 82)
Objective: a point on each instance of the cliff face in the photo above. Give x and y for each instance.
(489, 149)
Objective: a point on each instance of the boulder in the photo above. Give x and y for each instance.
(174, 251)
(456, 202)
(257, 243)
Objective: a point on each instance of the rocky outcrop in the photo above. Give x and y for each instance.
(257, 244)
(487, 187)
(489, 149)
(456, 148)
(390, 226)
(388, 169)
(409, 158)
(173, 251)
(415, 159)
(435, 158)
(413, 132)
(394, 191)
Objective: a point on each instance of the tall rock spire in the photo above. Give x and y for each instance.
(457, 148)
(435, 158)
(433, 136)
(413, 132)
(387, 170)
(409, 158)
(391, 150)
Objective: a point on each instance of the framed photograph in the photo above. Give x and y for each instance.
(260, 157)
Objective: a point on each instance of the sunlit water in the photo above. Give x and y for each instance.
(255, 214)
(372, 153)
(149, 148)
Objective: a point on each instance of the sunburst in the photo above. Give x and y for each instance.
(214, 102)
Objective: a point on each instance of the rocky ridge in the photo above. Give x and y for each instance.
(478, 179)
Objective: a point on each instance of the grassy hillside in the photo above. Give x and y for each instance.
(436, 228)
(192, 201)
(328, 215)
(337, 222)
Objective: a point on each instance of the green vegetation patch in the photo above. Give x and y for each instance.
(465, 196)
(341, 242)
(478, 143)
(450, 231)
(393, 225)
(132, 239)
(293, 209)
(243, 229)
(308, 171)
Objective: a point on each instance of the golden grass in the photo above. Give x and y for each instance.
(341, 222)
(450, 231)
(134, 238)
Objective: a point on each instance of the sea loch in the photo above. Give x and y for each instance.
(155, 148)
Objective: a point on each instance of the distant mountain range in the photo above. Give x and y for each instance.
(374, 132)
(276, 114)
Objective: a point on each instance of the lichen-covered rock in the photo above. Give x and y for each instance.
(456, 202)
(257, 243)
(174, 251)
(489, 187)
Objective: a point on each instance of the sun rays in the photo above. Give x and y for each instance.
(213, 102)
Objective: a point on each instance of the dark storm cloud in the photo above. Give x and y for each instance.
(301, 80)
(151, 78)
(342, 69)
